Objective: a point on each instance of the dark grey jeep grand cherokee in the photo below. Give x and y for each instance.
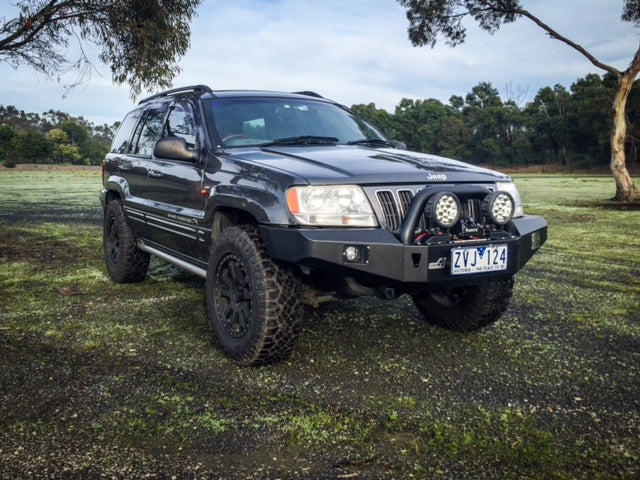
(281, 199)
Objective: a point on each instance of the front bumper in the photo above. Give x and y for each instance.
(386, 257)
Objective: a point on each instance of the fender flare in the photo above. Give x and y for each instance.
(264, 206)
(115, 185)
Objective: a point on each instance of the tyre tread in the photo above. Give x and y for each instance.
(279, 298)
(134, 262)
(483, 305)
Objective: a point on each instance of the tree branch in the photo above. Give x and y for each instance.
(634, 66)
(26, 30)
(553, 34)
(50, 14)
(140, 40)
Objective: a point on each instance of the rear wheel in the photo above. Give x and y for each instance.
(126, 263)
(254, 304)
(465, 308)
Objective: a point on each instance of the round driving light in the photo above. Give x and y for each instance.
(499, 207)
(444, 209)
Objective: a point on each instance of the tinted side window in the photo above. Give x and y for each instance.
(180, 124)
(148, 131)
(122, 139)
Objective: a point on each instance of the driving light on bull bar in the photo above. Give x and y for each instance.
(444, 209)
(499, 207)
(511, 189)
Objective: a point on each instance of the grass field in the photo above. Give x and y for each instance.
(125, 381)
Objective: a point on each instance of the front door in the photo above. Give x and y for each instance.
(176, 188)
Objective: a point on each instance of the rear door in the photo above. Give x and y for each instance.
(135, 168)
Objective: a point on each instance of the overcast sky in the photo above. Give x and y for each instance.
(353, 51)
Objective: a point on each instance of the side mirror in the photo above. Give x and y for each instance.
(174, 148)
(399, 144)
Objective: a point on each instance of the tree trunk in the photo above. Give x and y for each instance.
(626, 190)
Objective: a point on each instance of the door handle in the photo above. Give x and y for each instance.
(154, 174)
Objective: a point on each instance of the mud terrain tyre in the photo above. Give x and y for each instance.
(126, 263)
(465, 308)
(254, 304)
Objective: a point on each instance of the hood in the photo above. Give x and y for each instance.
(346, 164)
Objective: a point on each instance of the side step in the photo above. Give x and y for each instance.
(201, 272)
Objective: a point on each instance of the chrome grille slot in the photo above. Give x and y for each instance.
(389, 209)
(405, 197)
(471, 210)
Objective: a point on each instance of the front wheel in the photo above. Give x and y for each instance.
(254, 304)
(465, 308)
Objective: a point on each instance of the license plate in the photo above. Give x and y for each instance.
(465, 260)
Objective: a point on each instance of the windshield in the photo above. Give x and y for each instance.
(264, 121)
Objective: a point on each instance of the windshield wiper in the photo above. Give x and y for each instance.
(372, 142)
(301, 140)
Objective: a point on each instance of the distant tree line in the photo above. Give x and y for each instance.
(51, 137)
(569, 128)
(561, 127)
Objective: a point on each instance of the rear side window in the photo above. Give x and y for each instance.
(121, 141)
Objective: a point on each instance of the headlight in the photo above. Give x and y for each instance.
(510, 188)
(340, 205)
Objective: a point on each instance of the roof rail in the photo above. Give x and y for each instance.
(173, 91)
(309, 93)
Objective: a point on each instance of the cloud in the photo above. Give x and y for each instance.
(353, 52)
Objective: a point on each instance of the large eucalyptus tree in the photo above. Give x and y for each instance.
(431, 20)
